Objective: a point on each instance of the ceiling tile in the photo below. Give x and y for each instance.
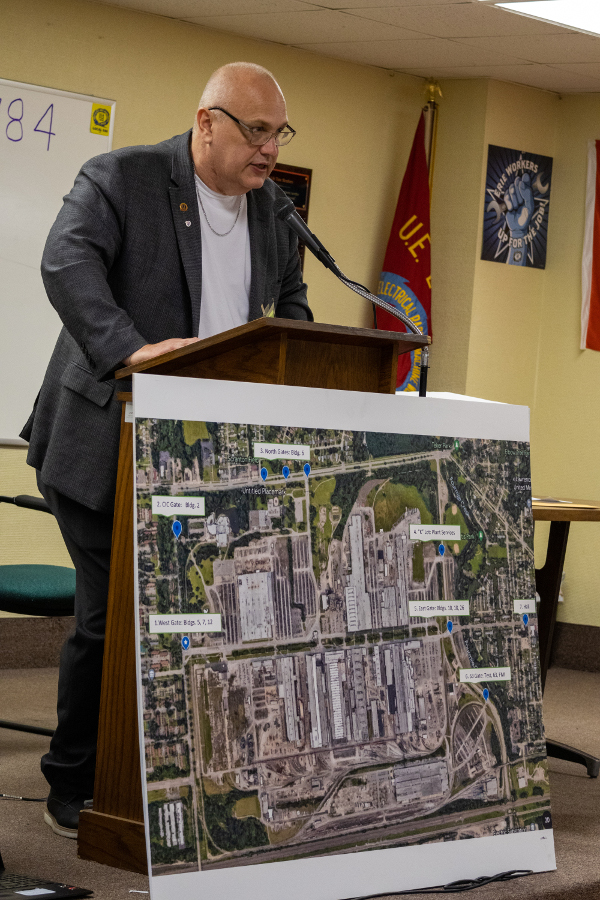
(401, 55)
(315, 27)
(365, 4)
(443, 38)
(534, 75)
(592, 70)
(544, 48)
(459, 20)
(555, 79)
(186, 9)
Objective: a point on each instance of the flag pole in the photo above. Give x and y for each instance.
(432, 90)
(430, 111)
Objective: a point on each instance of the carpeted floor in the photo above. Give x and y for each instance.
(572, 715)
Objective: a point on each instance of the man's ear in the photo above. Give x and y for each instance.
(204, 124)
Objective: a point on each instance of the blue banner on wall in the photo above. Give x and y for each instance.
(517, 203)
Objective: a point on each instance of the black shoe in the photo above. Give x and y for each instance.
(62, 812)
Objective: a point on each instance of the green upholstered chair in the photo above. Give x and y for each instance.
(35, 590)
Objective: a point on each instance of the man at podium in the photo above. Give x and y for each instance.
(155, 247)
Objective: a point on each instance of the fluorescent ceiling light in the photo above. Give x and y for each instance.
(584, 15)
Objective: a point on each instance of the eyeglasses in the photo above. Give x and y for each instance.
(258, 135)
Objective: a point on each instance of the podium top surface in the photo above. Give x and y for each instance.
(265, 328)
(551, 509)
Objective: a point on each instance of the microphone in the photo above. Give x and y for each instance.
(286, 211)
(297, 224)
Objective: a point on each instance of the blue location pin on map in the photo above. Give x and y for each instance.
(176, 526)
(307, 469)
(286, 471)
(486, 694)
(442, 549)
(263, 473)
(449, 626)
(185, 642)
(525, 619)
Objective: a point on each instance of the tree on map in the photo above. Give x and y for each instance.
(206, 551)
(225, 500)
(381, 444)
(175, 650)
(226, 830)
(347, 487)
(165, 542)
(360, 450)
(163, 600)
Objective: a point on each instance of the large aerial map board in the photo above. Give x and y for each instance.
(338, 665)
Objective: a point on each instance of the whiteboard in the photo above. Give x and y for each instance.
(45, 137)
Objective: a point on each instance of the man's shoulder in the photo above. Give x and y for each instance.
(142, 156)
(162, 149)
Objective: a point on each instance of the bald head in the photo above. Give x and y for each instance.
(225, 158)
(234, 79)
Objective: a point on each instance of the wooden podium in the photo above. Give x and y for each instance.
(267, 351)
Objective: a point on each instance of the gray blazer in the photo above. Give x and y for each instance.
(122, 270)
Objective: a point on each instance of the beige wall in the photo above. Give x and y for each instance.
(566, 423)
(512, 334)
(507, 300)
(26, 536)
(487, 316)
(455, 228)
(500, 332)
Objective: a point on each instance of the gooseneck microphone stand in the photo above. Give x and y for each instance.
(289, 215)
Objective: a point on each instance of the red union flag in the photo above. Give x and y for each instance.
(590, 270)
(406, 278)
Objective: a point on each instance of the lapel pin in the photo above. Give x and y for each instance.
(188, 224)
(183, 207)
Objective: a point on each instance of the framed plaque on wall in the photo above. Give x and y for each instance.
(295, 181)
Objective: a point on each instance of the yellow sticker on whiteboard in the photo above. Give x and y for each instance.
(100, 122)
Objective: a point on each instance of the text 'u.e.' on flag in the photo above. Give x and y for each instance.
(405, 281)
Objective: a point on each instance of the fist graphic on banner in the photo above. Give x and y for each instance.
(520, 207)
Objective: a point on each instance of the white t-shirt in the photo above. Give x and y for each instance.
(226, 268)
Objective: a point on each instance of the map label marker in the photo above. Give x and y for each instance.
(525, 619)
(286, 471)
(449, 626)
(486, 694)
(176, 526)
(488, 673)
(185, 642)
(524, 606)
(441, 549)
(307, 469)
(263, 473)
(151, 674)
